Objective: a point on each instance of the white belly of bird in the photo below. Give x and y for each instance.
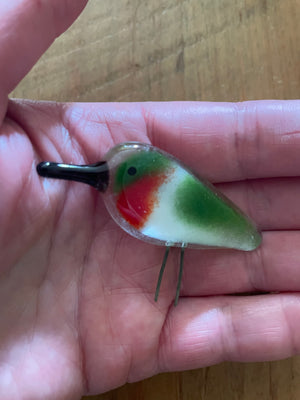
(164, 224)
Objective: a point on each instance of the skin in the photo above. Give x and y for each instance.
(76, 293)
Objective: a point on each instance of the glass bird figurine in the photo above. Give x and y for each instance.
(155, 198)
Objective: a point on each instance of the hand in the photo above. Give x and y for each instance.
(76, 293)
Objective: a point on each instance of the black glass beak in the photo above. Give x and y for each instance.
(96, 175)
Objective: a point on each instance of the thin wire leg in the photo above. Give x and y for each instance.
(179, 276)
(161, 272)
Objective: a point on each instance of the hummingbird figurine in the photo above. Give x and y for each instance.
(155, 198)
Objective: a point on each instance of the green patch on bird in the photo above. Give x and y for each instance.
(199, 205)
(144, 163)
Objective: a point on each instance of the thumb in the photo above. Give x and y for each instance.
(27, 29)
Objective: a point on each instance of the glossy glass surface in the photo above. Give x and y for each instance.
(155, 198)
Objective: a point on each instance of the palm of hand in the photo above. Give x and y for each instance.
(72, 281)
(77, 292)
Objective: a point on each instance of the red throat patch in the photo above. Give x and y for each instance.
(137, 201)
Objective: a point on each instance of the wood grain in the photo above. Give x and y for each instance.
(228, 381)
(130, 50)
(218, 50)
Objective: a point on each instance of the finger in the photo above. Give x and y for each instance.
(94, 133)
(91, 129)
(272, 203)
(204, 331)
(220, 141)
(94, 128)
(271, 268)
(226, 141)
(27, 28)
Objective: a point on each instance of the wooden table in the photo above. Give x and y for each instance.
(218, 50)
